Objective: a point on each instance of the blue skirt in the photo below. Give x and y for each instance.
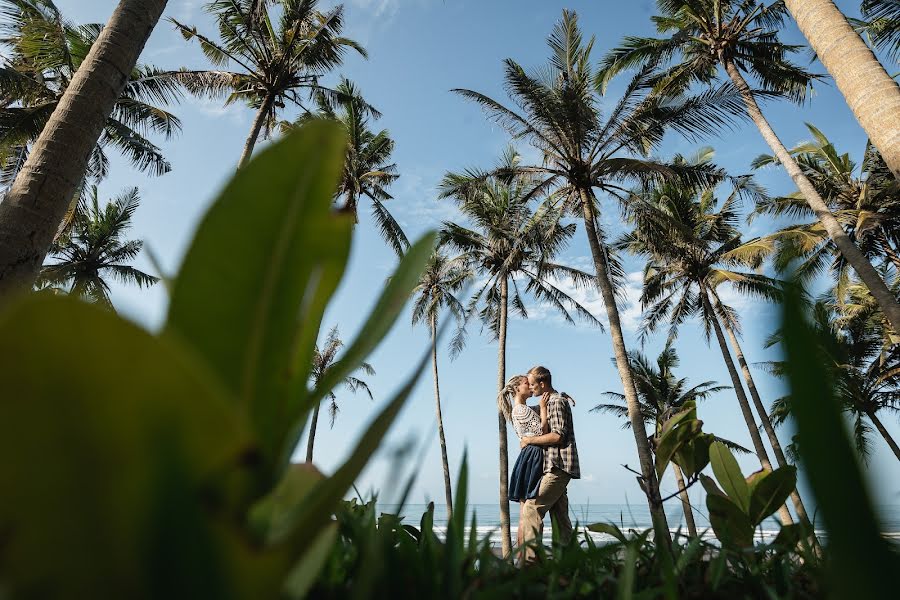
(526, 474)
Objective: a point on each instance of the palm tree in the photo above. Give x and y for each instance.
(864, 199)
(93, 249)
(558, 112)
(741, 37)
(691, 251)
(323, 358)
(508, 243)
(869, 90)
(865, 375)
(278, 54)
(45, 51)
(661, 394)
(37, 202)
(883, 25)
(368, 169)
(442, 279)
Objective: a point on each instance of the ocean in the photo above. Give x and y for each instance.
(625, 516)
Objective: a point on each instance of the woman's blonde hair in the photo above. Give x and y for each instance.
(507, 395)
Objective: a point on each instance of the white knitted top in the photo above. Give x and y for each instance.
(526, 421)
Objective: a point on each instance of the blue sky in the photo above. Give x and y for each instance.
(419, 50)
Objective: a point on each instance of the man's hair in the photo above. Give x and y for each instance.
(541, 374)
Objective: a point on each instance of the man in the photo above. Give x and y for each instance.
(560, 464)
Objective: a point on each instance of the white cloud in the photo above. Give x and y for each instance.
(590, 298)
(215, 108)
(378, 8)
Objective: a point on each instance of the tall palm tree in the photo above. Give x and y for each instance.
(865, 199)
(38, 200)
(741, 38)
(661, 394)
(278, 53)
(93, 249)
(45, 50)
(368, 169)
(883, 25)
(558, 110)
(865, 375)
(323, 358)
(691, 251)
(509, 243)
(869, 90)
(441, 281)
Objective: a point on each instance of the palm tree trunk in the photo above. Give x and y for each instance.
(261, 115)
(761, 453)
(869, 90)
(884, 433)
(848, 249)
(650, 484)
(34, 207)
(506, 540)
(685, 502)
(761, 411)
(440, 421)
(312, 434)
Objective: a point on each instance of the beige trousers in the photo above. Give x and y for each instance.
(551, 498)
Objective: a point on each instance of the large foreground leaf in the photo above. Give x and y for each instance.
(265, 260)
(864, 566)
(111, 448)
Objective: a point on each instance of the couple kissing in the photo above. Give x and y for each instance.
(549, 456)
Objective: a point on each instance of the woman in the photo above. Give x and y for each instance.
(527, 422)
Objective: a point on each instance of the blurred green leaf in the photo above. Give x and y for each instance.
(688, 412)
(265, 260)
(729, 522)
(693, 456)
(729, 476)
(94, 414)
(709, 484)
(303, 575)
(864, 565)
(310, 517)
(672, 440)
(608, 529)
(770, 492)
(381, 319)
(790, 535)
(271, 517)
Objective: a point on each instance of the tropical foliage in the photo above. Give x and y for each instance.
(43, 51)
(279, 53)
(865, 199)
(368, 170)
(443, 279)
(323, 359)
(171, 452)
(864, 371)
(93, 250)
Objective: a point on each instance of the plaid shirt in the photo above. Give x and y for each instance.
(565, 454)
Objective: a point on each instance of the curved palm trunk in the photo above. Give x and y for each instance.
(250, 144)
(505, 539)
(867, 273)
(763, 415)
(868, 89)
(650, 484)
(440, 421)
(685, 502)
(36, 204)
(758, 446)
(884, 433)
(312, 433)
